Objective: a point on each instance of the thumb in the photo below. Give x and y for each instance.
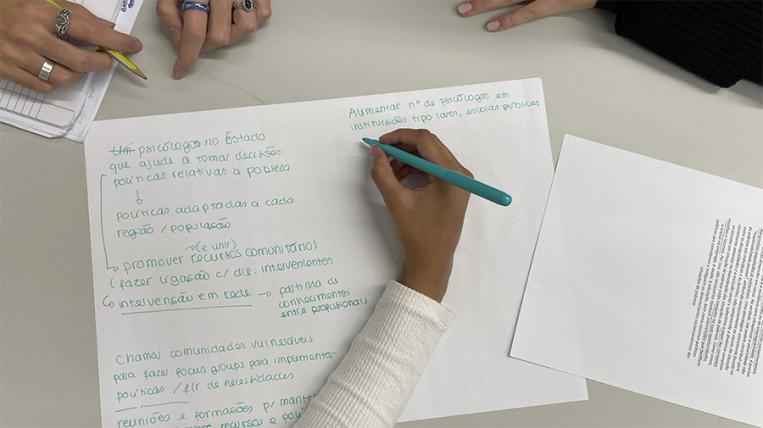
(384, 177)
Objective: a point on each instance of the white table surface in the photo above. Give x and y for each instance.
(598, 86)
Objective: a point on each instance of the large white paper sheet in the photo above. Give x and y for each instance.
(649, 277)
(237, 252)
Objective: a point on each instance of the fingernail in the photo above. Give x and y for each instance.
(135, 46)
(464, 8)
(178, 73)
(375, 152)
(493, 25)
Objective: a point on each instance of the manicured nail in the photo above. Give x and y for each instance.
(493, 25)
(135, 46)
(464, 8)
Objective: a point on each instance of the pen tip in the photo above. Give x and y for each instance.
(370, 141)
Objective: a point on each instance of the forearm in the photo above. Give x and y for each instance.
(374, 380)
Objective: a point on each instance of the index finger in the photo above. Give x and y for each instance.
(88, 28)
(194, 33)
(427, 144)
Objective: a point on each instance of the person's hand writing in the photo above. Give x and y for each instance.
(429, 219)
(28, 39)
(195, 31)
(525, 12)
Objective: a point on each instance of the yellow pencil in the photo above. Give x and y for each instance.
(119, 56)
(134, 69)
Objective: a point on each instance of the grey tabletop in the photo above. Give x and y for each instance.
(598, 86)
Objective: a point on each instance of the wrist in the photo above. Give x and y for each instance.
(429, 279)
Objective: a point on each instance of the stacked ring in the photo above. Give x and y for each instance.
(245, 5)
(62, 22)
(45, 71)
(195, 6)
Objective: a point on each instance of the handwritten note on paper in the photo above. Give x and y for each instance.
(237, 252)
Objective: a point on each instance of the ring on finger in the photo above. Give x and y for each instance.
(62, 22)
(245, 5)
(45, 71)
(195, 6)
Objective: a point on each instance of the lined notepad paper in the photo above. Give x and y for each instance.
(68, 111)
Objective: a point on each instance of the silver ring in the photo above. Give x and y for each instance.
(62, 22)
(45, 71)
(245, 5)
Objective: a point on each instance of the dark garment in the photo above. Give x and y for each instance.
(721, 41)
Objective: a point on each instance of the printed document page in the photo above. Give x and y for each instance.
(649, 277)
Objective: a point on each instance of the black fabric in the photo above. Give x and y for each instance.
(721, 41)
(756, 74)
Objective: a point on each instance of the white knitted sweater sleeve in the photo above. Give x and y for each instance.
(374, 380)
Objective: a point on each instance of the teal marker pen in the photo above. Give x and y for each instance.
(459, 180)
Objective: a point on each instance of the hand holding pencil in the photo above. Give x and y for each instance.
(37, 43)
(428, 220)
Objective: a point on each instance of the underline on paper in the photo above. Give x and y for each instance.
(163, 404)
(186, 309)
